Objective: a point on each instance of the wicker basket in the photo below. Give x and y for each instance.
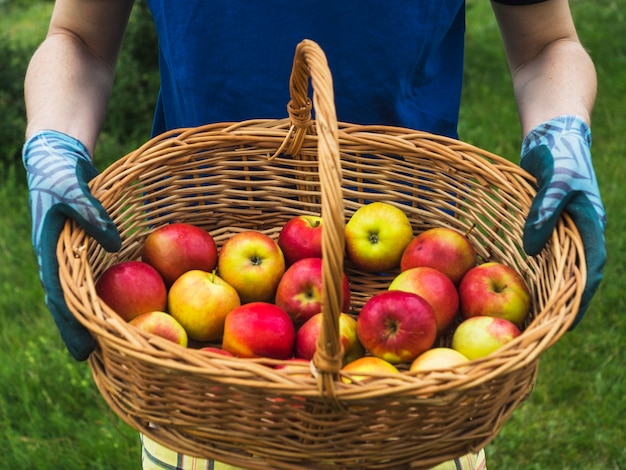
(257, 174)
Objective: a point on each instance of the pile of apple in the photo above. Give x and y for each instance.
(259, 297)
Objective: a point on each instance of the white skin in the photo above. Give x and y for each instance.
(69, 79)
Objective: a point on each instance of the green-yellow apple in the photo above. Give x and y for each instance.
(367, 367)
(176, 248)
(308, 333)
(131, 288)
(299, 291)
(161, 324)
(253, 263)
(436, 288)
(496, 290)
(376, 236)
(301, 237)
(396, 326)
(200, 301)
(438, 358)
(259, 329)
(442, 248)
(478, 337)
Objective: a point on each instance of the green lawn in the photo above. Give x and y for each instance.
(51, 415)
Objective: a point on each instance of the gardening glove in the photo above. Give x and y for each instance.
(58, 168)
(557, 153)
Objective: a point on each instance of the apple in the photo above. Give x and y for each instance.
(480, 336)
(366, 367)
(252, 263)
(496, 290)
(161, 324)
(299, 291)
(308, 333)
(131, 288)
(438, 358)
(396, 326)
(301, 237)
(216, 350)
(176, 248)
(376, 236)
(296, 367)
(200, 300)
(436, 288)
(259, 329)
(442, 248)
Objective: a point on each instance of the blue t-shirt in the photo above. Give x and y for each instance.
(397, 62)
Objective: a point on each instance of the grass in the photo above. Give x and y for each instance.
(52, 415)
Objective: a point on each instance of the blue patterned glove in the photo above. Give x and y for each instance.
(58, 169)
(557, 153)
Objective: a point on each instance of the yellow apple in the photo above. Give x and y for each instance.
(376, 236)
(438, 358)
(253, 264)
(200, 301)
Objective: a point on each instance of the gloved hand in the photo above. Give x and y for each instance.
(557, 153)
(58, 168)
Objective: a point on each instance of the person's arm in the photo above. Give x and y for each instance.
(70, 76)
(555, 88)
(552, 73)
(67, 89)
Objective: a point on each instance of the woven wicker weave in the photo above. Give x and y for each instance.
(257, 174)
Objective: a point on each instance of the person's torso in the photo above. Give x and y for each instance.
(397, 62)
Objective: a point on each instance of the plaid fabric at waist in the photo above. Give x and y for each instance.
(154, 456)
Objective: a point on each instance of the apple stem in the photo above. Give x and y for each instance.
(469, 230)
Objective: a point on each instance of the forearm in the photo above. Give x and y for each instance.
(67, 89)
(559, 80)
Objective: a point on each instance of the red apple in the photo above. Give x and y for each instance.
(366, 367)
(176, 248)
(161, 324)
(301, 237)
(478, 337)
(438, 358)
(131, 288)
(436, 288)
(216, 350)
(308, 333)
(259, 329)
(442, 248)
(296, 367)
(376, 236)
(299, 291)
(397, 326)
(496, 290)
(200, 301)
(252, 263)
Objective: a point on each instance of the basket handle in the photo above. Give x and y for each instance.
(310, 61)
